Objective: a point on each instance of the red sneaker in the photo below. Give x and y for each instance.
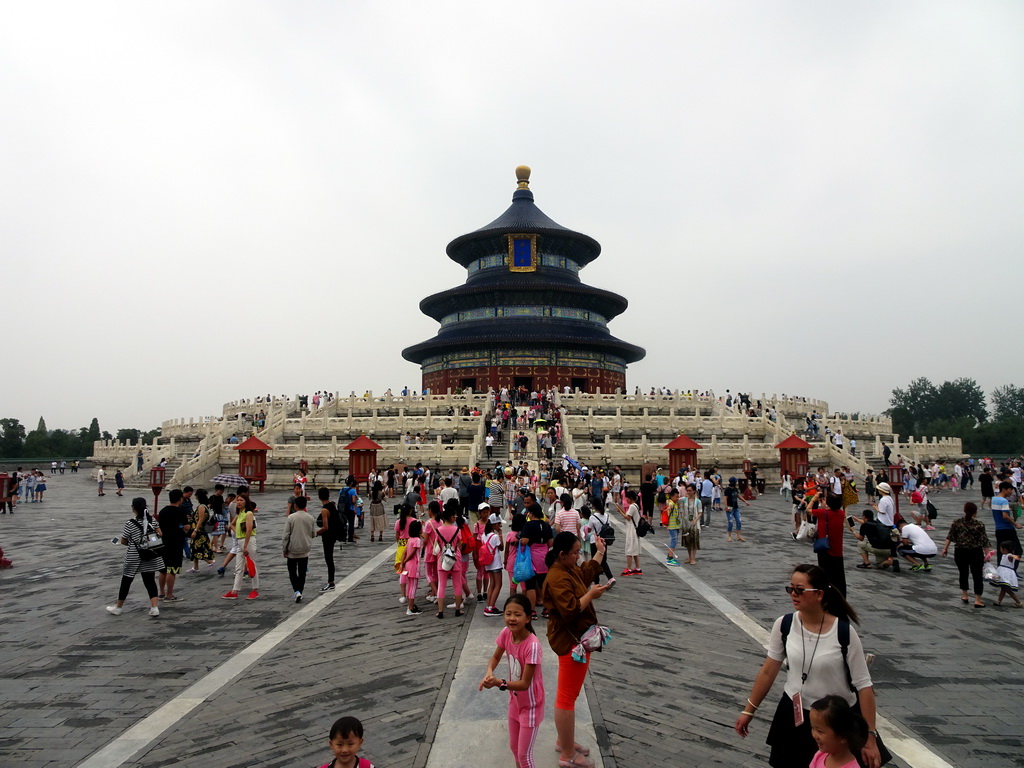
(253, 595)
(232, 595)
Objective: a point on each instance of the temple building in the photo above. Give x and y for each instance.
(523, 317)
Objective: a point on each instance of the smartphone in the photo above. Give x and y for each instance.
(611, 583)
(849, 521)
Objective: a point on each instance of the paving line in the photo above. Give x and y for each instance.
(916, 753)
(151, 727)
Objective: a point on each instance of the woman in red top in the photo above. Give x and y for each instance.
(832, 523)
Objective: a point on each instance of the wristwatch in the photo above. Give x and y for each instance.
(504, 685)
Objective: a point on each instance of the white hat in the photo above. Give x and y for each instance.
(483, 505)
(884, 488)
(494, 520)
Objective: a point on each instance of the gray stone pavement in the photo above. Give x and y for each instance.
(74, 679)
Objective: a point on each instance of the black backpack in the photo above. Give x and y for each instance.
(607, 531)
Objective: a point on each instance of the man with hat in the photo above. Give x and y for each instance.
(885, 513)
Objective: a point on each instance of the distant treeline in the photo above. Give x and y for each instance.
(58, 443)
(958, 409)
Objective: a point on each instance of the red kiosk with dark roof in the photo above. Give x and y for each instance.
(362, 458)
(682, 452)
(252, 460)
(793, 456)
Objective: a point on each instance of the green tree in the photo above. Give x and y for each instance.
(131, 435)
(12, 438)
(37, 445)
(66, 442)
(37, 442)
(91, 435)
(1008, 402)
(913, 407)
(959, 399)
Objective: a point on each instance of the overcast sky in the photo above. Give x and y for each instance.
(206, 201)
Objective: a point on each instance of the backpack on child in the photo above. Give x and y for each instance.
(486, 551)
(448, 555)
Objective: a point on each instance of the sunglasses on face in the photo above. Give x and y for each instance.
(799, 590)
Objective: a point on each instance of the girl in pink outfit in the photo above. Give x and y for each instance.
(525, 681)
(411, 566)
(448, 532)
(402, 539)
(839, 732)
(429, 538)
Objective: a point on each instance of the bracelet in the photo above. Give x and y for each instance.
(749, 714)
(752, 704)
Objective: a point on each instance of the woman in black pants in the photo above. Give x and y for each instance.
(971, 540)
(138, 559)
(598, 520)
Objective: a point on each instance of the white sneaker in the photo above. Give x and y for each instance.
(154, 611)
(452, 605)
(114, 610)
(402, 600)
(431, 598)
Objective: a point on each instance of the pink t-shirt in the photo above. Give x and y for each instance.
(429, 536)
(818, 761)
(529, 651)
(567, 520)
(401, 531)
(412, 563)
(512, 548)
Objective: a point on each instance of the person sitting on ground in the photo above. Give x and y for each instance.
(873, 538)
(915, 542)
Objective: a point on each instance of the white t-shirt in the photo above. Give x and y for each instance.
(886, 511)
(494, 541)
(447, 494)
(919, 540)
(837, 485)
(825, 672)
(489, 441)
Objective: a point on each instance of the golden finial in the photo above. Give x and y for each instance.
(523, 176)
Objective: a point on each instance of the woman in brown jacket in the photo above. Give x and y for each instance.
(569, 596)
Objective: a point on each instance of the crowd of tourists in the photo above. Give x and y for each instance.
(530, 542)
(887, 534)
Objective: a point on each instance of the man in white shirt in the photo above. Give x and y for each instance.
(914, 541)
(448, 492)
(489, 444)
(836, 482)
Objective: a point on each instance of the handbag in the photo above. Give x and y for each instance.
(523, 569)
(643, 528)
(821, 544)
(593, 639)
(151, 540)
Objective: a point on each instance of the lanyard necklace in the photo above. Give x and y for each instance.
(814, 650)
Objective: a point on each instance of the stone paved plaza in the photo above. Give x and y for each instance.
(218, 684)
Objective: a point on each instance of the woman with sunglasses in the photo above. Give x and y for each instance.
(816, 669)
